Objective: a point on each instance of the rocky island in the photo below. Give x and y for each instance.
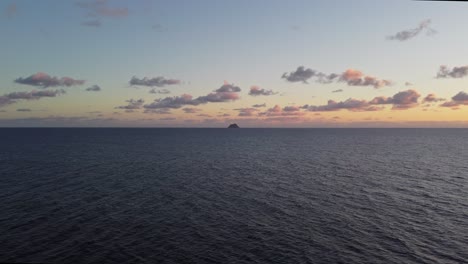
(233, 126)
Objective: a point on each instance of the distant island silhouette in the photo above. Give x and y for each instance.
(233, 126)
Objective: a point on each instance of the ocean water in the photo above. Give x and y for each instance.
(234, 195)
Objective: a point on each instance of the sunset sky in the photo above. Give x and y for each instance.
(262, 63)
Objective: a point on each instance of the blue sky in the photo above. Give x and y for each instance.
(205, 45)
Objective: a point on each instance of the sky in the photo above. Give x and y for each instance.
(209, 63)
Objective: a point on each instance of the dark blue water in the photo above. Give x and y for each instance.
(234, 195)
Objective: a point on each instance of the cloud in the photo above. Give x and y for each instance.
(94, 88)
(44, 80)
(456, 72)
(350, 104)
(92, 23)
(172, 102)
(301, 74)
(34, 95)
(158, 28)
(291, 108)
(11, 10)
(247, 111)
(401, 100)
(432, 98)
(225, 93)
(60, 121)
(162, 91)
(351, 77)
(23, 110)
(356, 78)
(255, 91)
(151, 82)
(4, 101)
(132, 104)
(404, 35)
(286, 111)
(12, 98)
(100, 8)
(408, 84)
(458, 100)
(259, 105)
(338, 91)
(160, 111)
(191, 110)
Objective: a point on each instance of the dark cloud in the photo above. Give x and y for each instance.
(458, 100)
(255, 91)
(94, 88)
(151, 82)
(291, 108)
(301, 74)
(23, 110)
(167, 119)
(432, 98)
(191, 110)
(456, 72)
(228, 88)
(132, 104)
(44, 80)
(338, 91)
(162, 91)
(92, 23)
(259, 105)
(351, 77)
(408, 84)
(424, 26)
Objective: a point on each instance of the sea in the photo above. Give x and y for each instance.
(201, 195)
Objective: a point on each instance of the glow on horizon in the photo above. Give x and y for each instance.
(312, 64)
